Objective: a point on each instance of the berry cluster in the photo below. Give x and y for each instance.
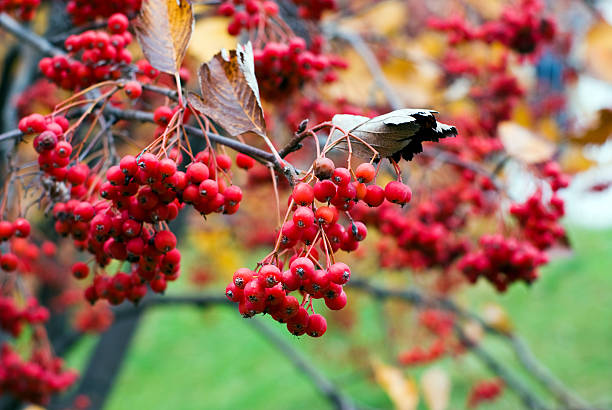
(485, 390)
(539, 221)
(306, 225)
(23, 9)
(13, 318)
(93, 56)
(282, 68)
(521, 28)
(34, 380)
(19, 228)
(249, 14)
(314, 9)
(83, 11)
(502, 261)
(440, 324)
(268, 291)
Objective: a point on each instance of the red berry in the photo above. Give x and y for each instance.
(341, 176)
(118, 23)
(133, 89)
(8, 262)
(398, 193)
(197, 172)
(244, 161)
(365, 172)
(80, 270)
(339, 273)
(22, 227)
(303, 217)
(165, 241)
(269, 275)
(242, 276)
(7, 229)
(303, 194)
(162, 115)
(317, 325)
(324, 191)
(302, 268)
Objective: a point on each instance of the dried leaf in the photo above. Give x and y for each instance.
(230, 94)
(402, 392)
(598, 50)
(523, 144)
(436, 388)
(495, 316)
(599, 133)
(163, 30)
(400, 131)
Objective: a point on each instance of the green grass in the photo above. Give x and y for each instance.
(184, 358)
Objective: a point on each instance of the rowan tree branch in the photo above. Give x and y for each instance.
(27, 36)
(537, 370)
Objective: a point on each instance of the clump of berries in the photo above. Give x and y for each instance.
(94, 56)
(502, 261)
(314, 9)
(315, 208)
(521, 27)
(84, 11)
(249, 14)
(440, 324)
(34, 380)
(485, 390)
(23, 9)
(19, 228)
(13, 318)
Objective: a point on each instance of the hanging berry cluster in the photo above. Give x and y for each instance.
(13, 318)
(502, 261)
(23, 9)
(485, 391)
(94, 56)
(314, 9)
(19, 228)
(440, 324)
(285, 65)
(315, 208)
(521, 28)
(34, 380)
(84, 11)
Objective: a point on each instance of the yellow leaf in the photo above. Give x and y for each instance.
(209, 37)
(598, 50)
(495, 316)
(436, 387)
(523, 144)
(574, 161)
(473, 332)
(163, 29)
(383, 18)
(402, 391)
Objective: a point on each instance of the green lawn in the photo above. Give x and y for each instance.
(184, 358)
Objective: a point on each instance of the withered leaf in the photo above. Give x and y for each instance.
(399, 133)
(599, 132)
(523, 144)
(163, 29)
(230, 94)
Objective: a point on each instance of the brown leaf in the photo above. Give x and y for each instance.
(523, 144)
(230, 95)
(163, 30)
(399, 131)
(599, 132)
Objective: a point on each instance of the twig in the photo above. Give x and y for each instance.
(22, 33)
(364, 51)
(530, 400)
(414, 296)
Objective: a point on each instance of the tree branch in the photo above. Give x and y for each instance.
(536, 369)
(27, 36)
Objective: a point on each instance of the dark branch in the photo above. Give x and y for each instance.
(27, 36)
